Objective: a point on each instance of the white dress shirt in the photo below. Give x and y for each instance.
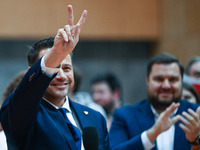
(3, 145)
(165, 140)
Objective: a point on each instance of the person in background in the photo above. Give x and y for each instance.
(193, 67)
(39, 114)
(107, 92)
(83, 98)
(192, 73)
(13, 84)
(190, 94)
(162, 121)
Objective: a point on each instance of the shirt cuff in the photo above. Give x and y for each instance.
(46, 70)
(146, 142)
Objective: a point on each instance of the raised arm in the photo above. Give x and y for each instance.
(22, 106)
(65, 40)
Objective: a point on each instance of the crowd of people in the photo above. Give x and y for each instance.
(44, 109)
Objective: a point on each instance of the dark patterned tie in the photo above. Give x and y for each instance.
(74, 130)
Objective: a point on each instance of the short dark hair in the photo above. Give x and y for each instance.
(191, 62)
(33, 54)
(165, 58)
(34, 50)
(109, 78)
(190, 88)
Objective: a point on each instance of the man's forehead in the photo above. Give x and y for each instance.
(163, 68)
(67, 60)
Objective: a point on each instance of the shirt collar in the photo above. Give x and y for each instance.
(65, 105)
(156, 115)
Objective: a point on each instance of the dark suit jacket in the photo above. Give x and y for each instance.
(130, 121)
(32, 123)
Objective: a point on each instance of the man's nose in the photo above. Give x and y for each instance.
(96, 96)
(61, 74)
(166, 84)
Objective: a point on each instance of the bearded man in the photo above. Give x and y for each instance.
(162, 121)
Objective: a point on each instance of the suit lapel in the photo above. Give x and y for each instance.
(81, 114)
(60, 124)
(145, 117)
(180, 141)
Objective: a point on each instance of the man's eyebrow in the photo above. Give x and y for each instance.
(174, 76)
(66, 64)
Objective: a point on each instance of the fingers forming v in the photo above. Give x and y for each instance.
(82, 19)
(70, 15)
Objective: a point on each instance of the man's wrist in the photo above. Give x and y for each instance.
(196, 141)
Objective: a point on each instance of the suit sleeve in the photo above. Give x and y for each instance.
(20, 108)
(120, 138)
(106, 135)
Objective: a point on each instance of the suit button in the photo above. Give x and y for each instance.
(31, 77)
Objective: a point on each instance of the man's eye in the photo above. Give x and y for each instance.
(158, 79)
(187, 97)
(173, 79)
(67, 68)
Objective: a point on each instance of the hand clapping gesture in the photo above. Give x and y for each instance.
(191, 125)
(164, 122)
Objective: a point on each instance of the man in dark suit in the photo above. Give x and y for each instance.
(151, 123)
(33, 116)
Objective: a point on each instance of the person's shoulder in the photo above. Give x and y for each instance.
(86, 108)
(186, 104)
(137, 105)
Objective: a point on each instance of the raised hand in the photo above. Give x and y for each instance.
(163, 123)
(67, 37)
(65, 40)
(191, 125)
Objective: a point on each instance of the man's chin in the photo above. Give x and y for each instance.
(162, 104)
(60, 94)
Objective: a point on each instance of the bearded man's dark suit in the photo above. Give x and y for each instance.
(30, 122)
(130, 121)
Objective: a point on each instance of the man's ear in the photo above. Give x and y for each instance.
(28, 68)
(117, 93)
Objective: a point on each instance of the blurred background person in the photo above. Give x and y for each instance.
(107, 92)
(189, 93)
(192, 73)
(13, 84)
(83, 98)
(193, 67)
